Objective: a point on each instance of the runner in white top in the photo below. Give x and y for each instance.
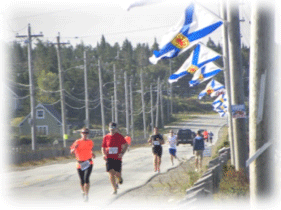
(172, 140)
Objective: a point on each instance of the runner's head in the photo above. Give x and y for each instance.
(171, 132)
(155, 130)
(112, 127)
(84, 132)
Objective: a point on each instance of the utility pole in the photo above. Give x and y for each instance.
(151, 110)
(227, 79)
(101, 99)
(131, 108)
(143, 105)
(263, 104)
(126, 103)
(171, 88)
(157, 103)
(168, 106)
(31, 84)
(112, 108)
(161, 106)
(115, 94)
(61, 77)
(87, 118)
(236, 84)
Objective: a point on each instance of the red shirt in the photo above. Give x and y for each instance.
(112, 144)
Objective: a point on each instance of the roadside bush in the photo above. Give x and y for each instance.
(26, 140)
(234, 183)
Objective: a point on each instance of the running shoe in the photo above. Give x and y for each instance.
(86, 199)
(120, 180)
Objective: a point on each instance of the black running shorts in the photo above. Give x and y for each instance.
(114, 164)
(157, 150)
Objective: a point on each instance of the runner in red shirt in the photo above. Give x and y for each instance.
(82, 148)
(114, 146)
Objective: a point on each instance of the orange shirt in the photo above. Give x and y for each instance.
(128, 139)
(205, 134)
(83, 150)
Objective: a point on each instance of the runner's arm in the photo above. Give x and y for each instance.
(103, 151)
(124, 147)
(149, 140)
(162, 140)
(73, 147)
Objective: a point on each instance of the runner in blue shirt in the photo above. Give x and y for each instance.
(198, 148)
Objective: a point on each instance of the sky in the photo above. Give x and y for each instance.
(86, 21)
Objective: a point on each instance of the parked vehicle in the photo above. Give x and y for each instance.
(185, 136)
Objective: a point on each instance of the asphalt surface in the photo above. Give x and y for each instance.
(57, 185)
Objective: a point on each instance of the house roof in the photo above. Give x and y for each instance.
(49, 108)
(52, 111)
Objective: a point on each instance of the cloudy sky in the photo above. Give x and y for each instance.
(87, 21)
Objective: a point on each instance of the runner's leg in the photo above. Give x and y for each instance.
(155, 162)
(87, 179)
(81, 177)
(112, 180)
(158, 162)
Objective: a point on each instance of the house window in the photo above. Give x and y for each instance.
(42, 130)
(40, 114)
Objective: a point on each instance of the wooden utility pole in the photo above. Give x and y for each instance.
(171, 88)
(161, 106)
(227, 78)
(263, 116)
(112, 108)
(236, 84)
(31, 84)
(126, 103)
(115, 94)
(151, 108)
(87, 117)
(132, 109)
(143, 105)
(62, 96)
(157, 103)
(101, 99)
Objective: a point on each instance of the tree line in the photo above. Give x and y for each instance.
(126, 58)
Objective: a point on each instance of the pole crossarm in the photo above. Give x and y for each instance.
(258, 153)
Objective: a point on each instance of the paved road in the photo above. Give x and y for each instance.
(57, 185)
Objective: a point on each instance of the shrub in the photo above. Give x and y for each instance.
(234, 183)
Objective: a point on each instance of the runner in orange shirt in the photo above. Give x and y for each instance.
(82, 148)
(128, 140)
(205, 135)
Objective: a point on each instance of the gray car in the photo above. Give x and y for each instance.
(185, 136)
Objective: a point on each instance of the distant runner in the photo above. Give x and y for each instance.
(82, 148)
(128, 140)
(211, 136)
(156, 140)
(205, 134)
(198, 148)
(114, 147)
(172, 140)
